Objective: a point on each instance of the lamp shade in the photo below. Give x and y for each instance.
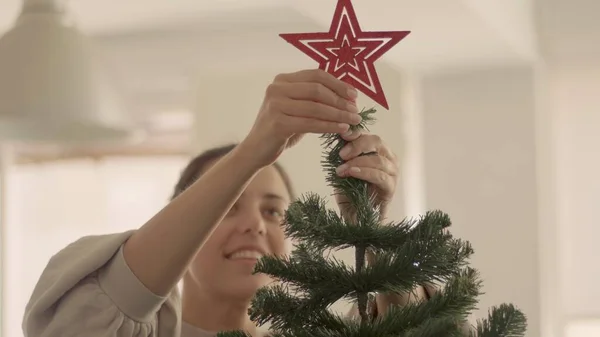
(51, 89)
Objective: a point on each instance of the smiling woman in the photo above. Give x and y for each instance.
(228, 204)
(223, 267)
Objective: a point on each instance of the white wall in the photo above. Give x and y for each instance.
(527, 139)
(569, 41)
(575, 101)
(478, 129)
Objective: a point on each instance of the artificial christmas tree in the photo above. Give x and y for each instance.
(408, 254)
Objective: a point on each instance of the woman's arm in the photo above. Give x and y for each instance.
(160, 252)
(310, 101)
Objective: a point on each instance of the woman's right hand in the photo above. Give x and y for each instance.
(308, 101)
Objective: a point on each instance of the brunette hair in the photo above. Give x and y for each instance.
(199, 164)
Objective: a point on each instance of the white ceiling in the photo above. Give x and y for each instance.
(155, 48)
(445, 32)
(102, 16)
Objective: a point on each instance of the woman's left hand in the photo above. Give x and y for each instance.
(379, 168)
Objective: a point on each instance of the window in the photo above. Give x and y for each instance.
(50, 205)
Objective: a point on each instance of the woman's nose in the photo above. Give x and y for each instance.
(253, 221)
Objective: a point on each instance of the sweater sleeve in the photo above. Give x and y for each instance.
(87, 289)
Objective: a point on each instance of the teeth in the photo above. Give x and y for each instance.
(246, 254)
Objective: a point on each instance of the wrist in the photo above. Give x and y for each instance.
(246, 154)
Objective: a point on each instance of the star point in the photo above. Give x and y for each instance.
(347, 52)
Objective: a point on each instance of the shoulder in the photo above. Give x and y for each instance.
(82, 290)
(78, 260)
(70, 265)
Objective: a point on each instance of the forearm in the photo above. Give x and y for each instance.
(160, 252)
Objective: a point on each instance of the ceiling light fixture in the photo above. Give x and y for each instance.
(51, 89)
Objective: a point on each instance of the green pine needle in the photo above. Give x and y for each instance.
(503, 321)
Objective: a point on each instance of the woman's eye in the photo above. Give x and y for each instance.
(274, 212)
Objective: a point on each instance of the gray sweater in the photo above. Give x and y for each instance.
(88, 290)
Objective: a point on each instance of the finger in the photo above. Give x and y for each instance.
(351, 135)
(379, 178)
(375, 162)
(299, 125)
(317, 111)
(366, 143)
(317, 92)
(341, 88)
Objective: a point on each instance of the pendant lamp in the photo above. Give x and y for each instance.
(51, 89)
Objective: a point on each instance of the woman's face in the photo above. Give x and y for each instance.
(251, 229)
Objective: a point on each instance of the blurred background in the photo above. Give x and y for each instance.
(494, 111)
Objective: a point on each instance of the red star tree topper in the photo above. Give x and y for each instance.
(347, 52)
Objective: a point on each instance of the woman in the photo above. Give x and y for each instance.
(211, 233)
